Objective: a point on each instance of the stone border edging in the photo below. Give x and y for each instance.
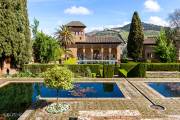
(25, 115)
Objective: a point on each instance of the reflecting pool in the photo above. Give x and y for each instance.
(168, 89)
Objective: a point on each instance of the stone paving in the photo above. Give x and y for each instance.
(133, 101)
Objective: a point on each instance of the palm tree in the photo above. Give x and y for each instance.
(65, 37)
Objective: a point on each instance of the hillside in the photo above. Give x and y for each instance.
(146, 27)
(149, 30)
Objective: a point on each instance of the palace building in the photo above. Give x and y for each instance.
(150, 44)
(94, 48)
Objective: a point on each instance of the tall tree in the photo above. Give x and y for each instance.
(45, 48)
(14, 32)
(165, 48)
(135, 38)
(35, 27)
(65, 37)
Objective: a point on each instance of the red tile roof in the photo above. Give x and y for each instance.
(75, 24)
(103, 39)
(150, 41)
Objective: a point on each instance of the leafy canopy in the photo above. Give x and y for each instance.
(59, 78)
(165, 48)
(14, 32)
(64, 36)
(45, 48)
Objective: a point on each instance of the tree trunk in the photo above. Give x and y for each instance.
(65, 50)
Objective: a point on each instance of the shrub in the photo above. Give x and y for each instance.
(128, 66)
(108, 71)
(37, 68)
(122, 73)
(163, 67)
(138, 71)
(59, 78)
(88, 72)
(79, 70)
(70, 61)
(26, 74)
(124, 60)
(93, 75)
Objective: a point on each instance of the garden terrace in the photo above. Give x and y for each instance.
(133, 101)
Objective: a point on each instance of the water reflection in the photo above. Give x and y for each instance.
(108, 87)
(15, 99)
(167, 89)
(81, 90)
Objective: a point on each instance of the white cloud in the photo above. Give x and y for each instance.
(157, 21)
(152, 6)
(75, 10)
(106, 26)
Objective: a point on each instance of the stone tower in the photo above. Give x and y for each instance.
(77, 29)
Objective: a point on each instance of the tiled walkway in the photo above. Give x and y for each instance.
(134, 101)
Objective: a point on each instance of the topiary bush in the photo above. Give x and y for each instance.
(128, 66)
(138, 71)
(59, 78)
(109, 71)
(122, 73)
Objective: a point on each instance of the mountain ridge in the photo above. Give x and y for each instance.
(150, 30)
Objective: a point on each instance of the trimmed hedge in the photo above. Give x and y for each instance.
(39, 68)
(80, 69)
(128, 66)
(109, 71)
(122, 73)
(138, 71)
(163, 67)
(132, 69)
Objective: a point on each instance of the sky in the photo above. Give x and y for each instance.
(98, 14)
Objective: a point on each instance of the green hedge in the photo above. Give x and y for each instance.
(163, 67)
(138, 71)
(122, 73)
(34, 68)
(128, 66)
(133, 69)
(81, 69)
(109, 71)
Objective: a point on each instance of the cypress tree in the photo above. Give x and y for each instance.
(14, 32)
(135, 38)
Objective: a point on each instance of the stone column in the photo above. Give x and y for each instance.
(118, 54)
(102, 53)
(91, 53)
(74, 52)
(110, 53)
(84, 52)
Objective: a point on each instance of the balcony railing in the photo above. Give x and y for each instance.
(96, 61)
